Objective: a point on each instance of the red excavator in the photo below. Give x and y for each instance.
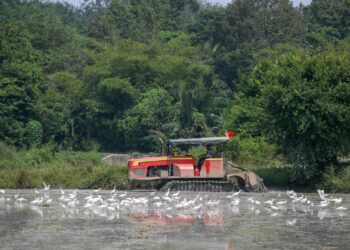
(175, 171)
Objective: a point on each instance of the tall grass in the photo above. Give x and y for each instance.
(9, 158)
(336, 181)
(275, 177)
(66, 176)
(30, 168)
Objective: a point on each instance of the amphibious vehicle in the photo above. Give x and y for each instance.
(176, 171)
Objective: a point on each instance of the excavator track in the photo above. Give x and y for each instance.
(199, 185)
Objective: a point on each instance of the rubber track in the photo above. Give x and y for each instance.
(199, 185)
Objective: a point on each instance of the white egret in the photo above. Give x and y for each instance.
(269, 202)
(46, 187)
(281, 202)
(341, 208)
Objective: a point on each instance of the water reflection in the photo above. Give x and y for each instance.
(88, 219)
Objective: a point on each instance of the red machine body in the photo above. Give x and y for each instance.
(179, 167)
(174, 167)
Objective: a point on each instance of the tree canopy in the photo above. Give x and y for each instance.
(118, 75)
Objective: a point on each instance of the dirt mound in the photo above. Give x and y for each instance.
(117, 159)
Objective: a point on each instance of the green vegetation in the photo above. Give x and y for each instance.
(277, 177)
(30, 168)
(115, 76)
(337, 180)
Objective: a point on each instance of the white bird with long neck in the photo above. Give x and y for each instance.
(122, 195)
(46, 187)
(198, 207)
(324, 202)
(235, 202)
(341, 208)
(47, 202)
(156, 198)
(112, 199)
(281, 202)
(213, 203)
(323, 205)
(304, 200)
(167, 193)
(250, 199)
(176, 194)
(37, 201)
(298, 199)
(234, 194)
(269, 202)
(181, 204)
(21, 199)
(322, 195)
(337, 200)
(274, 208)
(153, 193)
(158, 204)
(73, 203)
(167, 198)
(291, 194)
(73, 195)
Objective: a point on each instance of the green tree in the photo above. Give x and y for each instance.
(330, 18)
(59, 109)
(137, 20)
(250, 26)
(20, 80)
(304, 101)
(153, 117)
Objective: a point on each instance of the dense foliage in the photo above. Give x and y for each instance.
(114, 75)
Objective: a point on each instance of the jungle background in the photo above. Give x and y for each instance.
(116, 75)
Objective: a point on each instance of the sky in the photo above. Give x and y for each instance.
(296, 2)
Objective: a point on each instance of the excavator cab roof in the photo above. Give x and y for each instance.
(198, 141)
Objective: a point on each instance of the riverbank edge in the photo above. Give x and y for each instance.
(109, 176)
(87, 170)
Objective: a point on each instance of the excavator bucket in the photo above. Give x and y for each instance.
(247, 180)
(255, 183)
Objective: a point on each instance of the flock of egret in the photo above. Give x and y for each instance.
(110, 204)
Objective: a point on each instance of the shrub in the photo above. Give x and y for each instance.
(275, 176)
(252, 151)
(336, 181)
(9, 157)
(39, 155)
(90, 145)
(34, 133)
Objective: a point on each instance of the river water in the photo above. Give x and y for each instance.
(85, 219)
